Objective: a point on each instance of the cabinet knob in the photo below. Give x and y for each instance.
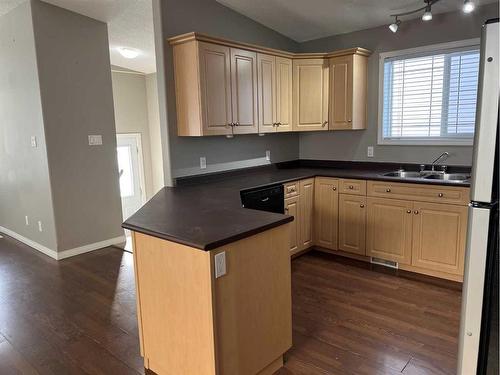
(324, 124)
(278, 124)
(408, 211)
(334, 188)
(440, 195)
(415, 212)
(230, 124)
(351, 187)
(362, 205)
(275, 124)
(349, 120)
(388, 190)
(237, 124)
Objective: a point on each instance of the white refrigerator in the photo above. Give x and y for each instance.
(478, 340)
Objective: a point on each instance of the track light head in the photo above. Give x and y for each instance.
(394, 26)
(469, 6)
(427, 16)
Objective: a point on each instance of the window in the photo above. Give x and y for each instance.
(428, 95)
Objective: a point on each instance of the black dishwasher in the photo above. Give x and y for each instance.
(265, 199)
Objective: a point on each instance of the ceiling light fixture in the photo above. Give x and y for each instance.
(394, 26)
(128, 53)
(427, 16)
(468, 6)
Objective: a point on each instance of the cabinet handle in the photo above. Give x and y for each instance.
(415, 212)
(324, 124)
(349, 120)
(334, 188)
(440, 195)
(279, 124)
(351, 187)
(274, 124)
(388, 190)
(286, 209)
(362, 205)
(408, 211)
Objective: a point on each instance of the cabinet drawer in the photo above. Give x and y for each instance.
(418, 192)
(356, 187)
(292, 189)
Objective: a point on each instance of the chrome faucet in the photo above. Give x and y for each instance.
(439, 158)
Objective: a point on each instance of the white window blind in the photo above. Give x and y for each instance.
(430, 96)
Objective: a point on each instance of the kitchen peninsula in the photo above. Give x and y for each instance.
(200, 314)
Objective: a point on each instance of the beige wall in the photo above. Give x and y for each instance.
(24, 175)
(155, 132)
(131, 115)
(77, 101)
(352, 145)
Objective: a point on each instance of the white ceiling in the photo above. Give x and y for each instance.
(130, 24)
(304, 20)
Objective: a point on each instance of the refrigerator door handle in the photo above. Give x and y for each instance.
(473, 287)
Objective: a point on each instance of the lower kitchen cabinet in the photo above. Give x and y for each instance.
(292, 208)
(389, 229)
(326, 212)
(352, 223)
(439, 233)
(306, 213)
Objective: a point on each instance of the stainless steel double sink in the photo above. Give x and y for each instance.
(429, 175)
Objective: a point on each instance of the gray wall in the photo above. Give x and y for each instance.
(77, 100)
(24, 174)
(209, 17)
(352, 145)
(131, 115)
(154, 132)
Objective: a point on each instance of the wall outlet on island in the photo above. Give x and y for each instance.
(369, 152)
(203, 162)
(220, 264)
(268, 155)
(40, 228)
(27, 220)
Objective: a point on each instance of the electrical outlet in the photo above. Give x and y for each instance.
(33, 141)
(95, 140)
(27, 220)
(369, 152)
(220, 264)
(203, 162)
(40, 229)
(268, 155)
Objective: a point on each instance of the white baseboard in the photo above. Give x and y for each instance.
(90, 247)
(66, 253)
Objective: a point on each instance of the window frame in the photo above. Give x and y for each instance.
(419, 141)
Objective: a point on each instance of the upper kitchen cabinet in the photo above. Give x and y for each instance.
(310, 94)
(348, 89)
(224, 87)
(275, 93)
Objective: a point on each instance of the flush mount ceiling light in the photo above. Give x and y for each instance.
(128, 53)
(427, 15)
(468, 6)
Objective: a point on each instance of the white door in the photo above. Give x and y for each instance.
(131, 173)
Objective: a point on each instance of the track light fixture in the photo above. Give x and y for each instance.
(468, 6)
(427, 15)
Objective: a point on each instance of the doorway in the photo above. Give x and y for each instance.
(131, 172)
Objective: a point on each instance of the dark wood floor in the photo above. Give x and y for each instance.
(77, 316)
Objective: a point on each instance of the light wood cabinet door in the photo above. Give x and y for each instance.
(439, 233)
(284, 111)
(266, 72)
(340, 92)
(215, 85)
(352, 224)
(244, 91)
(306, 213)
(326, 210)
(310, 94)
(389, 229)
(292, 208)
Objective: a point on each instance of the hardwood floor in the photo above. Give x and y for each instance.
(77, 316)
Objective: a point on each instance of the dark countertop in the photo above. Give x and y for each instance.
(206, 213)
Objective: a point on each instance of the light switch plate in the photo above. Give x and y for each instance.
(220, 264)
(268, 155)
(369, 152)
(33, 141)
(203, 162)
(95, 140)
(27, 220)
(40, 228)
